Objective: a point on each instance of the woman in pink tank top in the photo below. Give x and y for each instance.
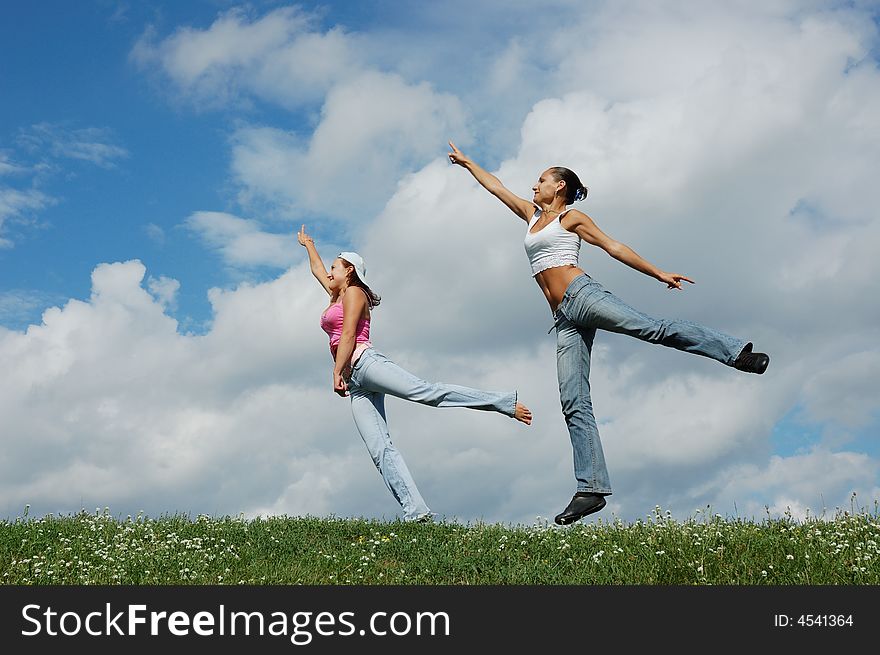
(366, 375)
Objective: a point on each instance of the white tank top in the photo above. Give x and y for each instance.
(552, 245)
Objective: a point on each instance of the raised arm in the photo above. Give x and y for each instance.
(584, 226)
(519, 206)
(315, 262)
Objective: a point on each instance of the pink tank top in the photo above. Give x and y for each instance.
(331, 323)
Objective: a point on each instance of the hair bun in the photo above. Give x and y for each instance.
(580, 194)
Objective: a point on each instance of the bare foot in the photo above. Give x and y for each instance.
(523, 414)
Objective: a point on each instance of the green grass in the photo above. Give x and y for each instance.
(703, 550)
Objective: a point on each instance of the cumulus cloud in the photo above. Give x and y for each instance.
(118, 408)
(373, 129)
(280, 57)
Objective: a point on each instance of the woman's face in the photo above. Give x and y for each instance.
(337, 276)
(545, 188)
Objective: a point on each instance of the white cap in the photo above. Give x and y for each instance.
(358, 262)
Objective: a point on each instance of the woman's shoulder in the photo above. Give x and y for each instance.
(356, 303)
(572, 216)
(356, 300)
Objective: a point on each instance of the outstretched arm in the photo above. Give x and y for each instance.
(582, 225)
(315, 262)
(519, 206)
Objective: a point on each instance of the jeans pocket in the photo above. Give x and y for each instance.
(576, 307)
(354, 372)
(581, 309)
(362, 364)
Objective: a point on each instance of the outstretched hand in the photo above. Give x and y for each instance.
(674, 280)
(457, 156)
(303, 238)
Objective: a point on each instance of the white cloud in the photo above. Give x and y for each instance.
(164, 289)
(241, 242)
(278, 57)
(7, 167)
(818, 482)
(16, 205)
(92, 144)
(265, 164)
(844, 390)
(373, 129)
(106, 403)
(304, 68)
(155, 233)
(14, 201)
(191, 53)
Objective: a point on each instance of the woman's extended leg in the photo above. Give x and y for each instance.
(588, 304)
(368, 409)
(375, 372)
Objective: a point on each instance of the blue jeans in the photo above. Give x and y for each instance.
(374, 375)
(586, 307)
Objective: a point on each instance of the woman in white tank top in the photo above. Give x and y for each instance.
(581, 305)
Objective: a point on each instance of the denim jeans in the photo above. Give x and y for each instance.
(586, 307)
(374, 375)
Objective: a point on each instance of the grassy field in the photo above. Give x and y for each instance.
(706, 549)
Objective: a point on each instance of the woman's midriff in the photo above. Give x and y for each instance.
(554, 281)
(359, 348)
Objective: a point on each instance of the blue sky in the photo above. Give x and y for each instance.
(157, 316)
(69, 69)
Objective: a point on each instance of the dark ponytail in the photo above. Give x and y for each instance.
(574, 190)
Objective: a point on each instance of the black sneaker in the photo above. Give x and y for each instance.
(582, 504)
(751, 362)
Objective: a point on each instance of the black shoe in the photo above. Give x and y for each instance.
(583, 503)
(751, 362)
